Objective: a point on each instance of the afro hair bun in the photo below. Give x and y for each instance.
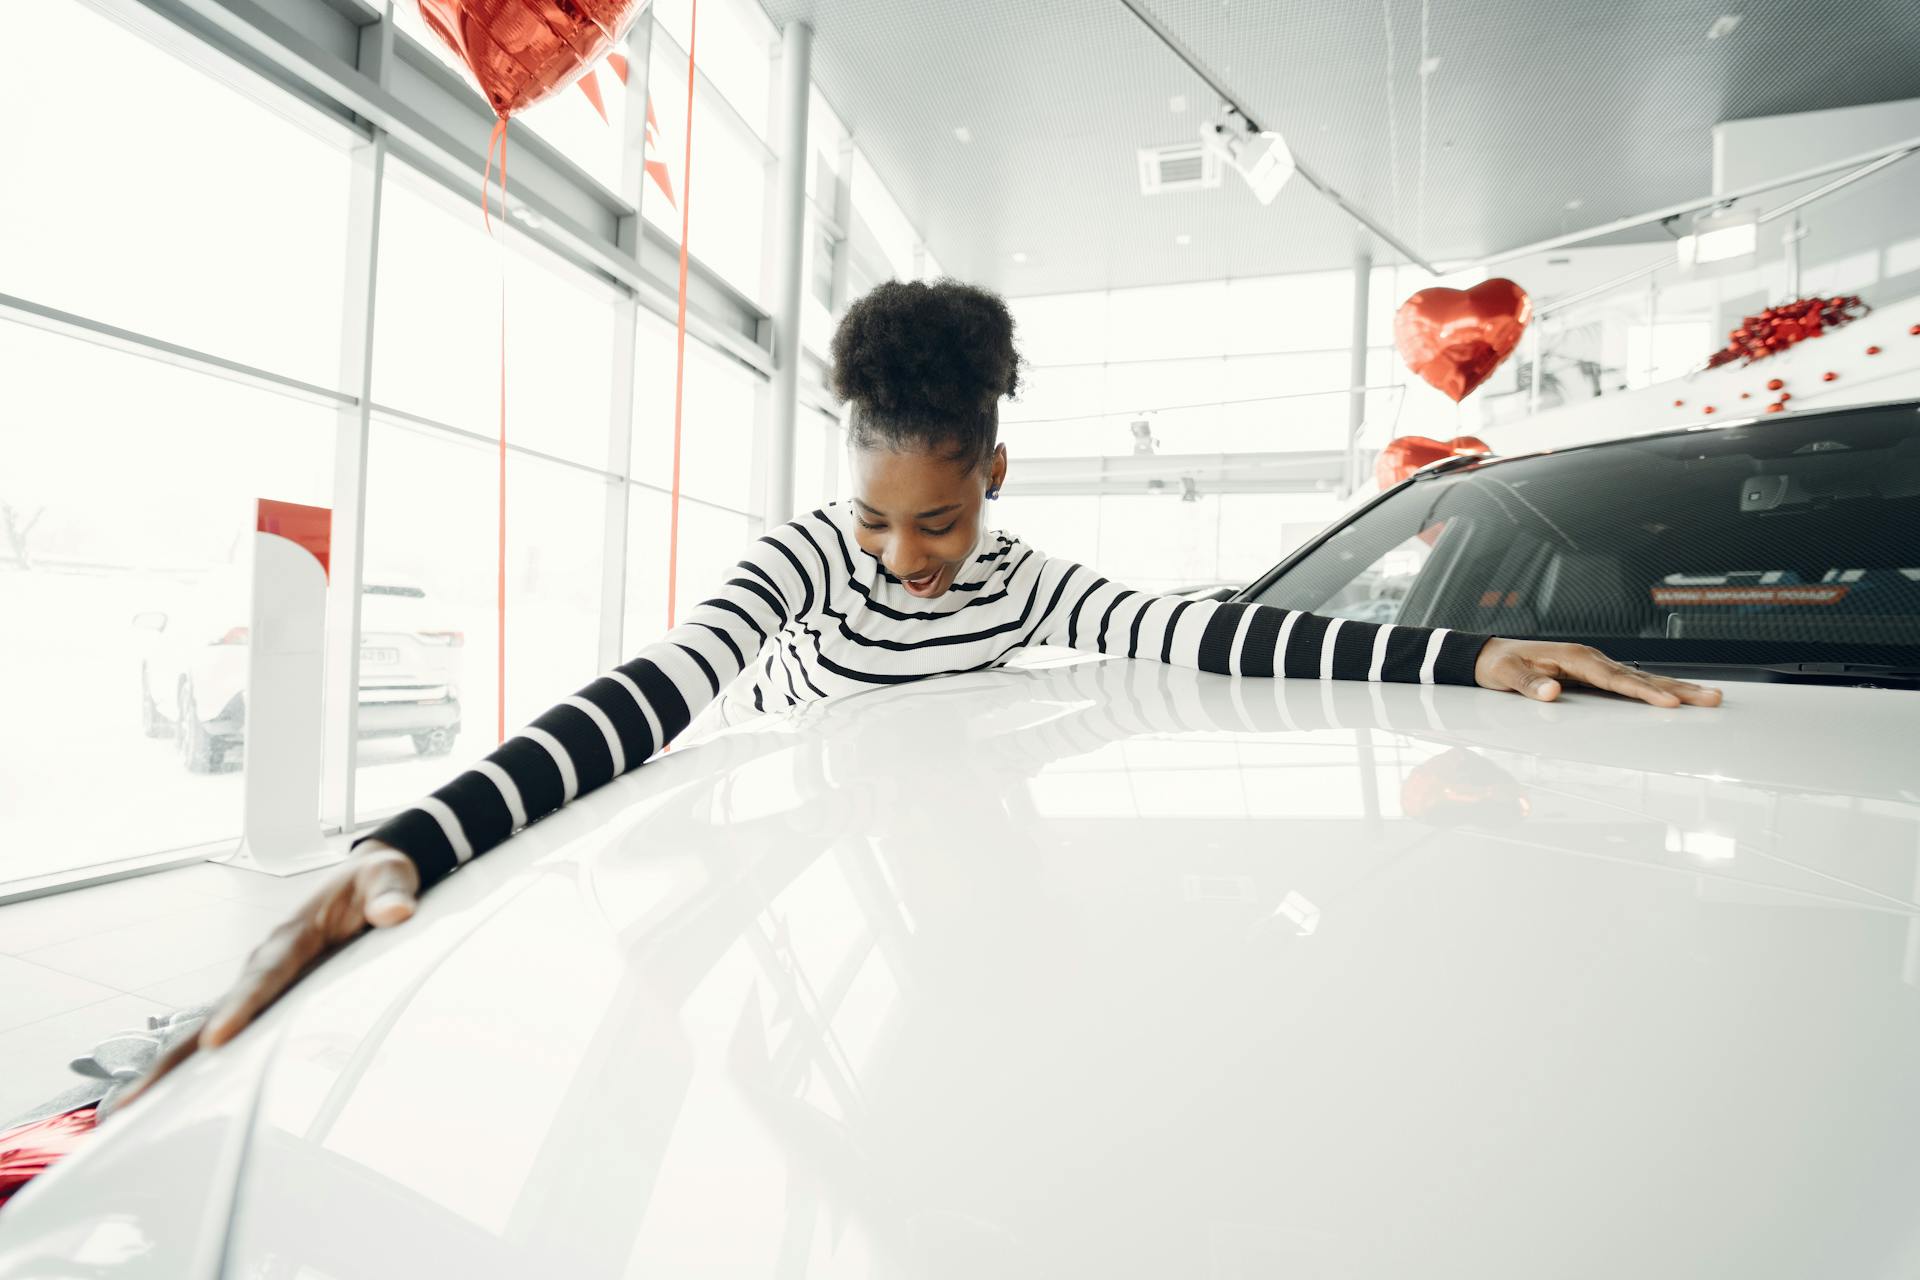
(925, 355)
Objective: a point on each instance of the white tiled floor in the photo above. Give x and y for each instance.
(78, 966)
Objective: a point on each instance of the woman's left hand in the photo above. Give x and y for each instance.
(1539, 669)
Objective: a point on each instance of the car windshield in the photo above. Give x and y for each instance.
(1793, 540)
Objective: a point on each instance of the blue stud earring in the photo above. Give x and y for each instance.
(993, 493)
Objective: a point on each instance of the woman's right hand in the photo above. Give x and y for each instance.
(376, 888)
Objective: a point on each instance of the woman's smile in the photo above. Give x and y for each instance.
(925, 584)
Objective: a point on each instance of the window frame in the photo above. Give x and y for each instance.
(339, 69)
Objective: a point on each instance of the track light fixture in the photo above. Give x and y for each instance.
(1263, 159)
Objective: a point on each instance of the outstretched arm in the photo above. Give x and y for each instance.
(601, 731)
(582, 742)
(1086, 611)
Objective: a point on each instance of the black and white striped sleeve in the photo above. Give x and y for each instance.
(1088, 612)
(612, 725)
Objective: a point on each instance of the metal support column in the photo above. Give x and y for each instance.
(633, 146)
(1537, 340)
(1357, 359)
(1791, 239)
(347, 554)
(619, 493)
(790, 228)
(843, 216)
(1653, 328)
(842, 264)
(626, 328)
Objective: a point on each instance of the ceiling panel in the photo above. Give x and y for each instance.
(1530, 119)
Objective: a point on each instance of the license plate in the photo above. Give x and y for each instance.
(371, 657)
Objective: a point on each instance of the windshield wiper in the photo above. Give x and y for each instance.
(1858, 674)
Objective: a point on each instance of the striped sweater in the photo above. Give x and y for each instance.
(809, 615)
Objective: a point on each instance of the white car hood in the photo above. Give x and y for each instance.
(1105, 970)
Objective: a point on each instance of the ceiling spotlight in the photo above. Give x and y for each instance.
(962, 134)
(1719, 235)
(1722, 26)
(1261, 158)
(1019, 257)
(1183, 239)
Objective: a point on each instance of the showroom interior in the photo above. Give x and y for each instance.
(358, 401)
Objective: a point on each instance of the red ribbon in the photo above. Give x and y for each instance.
(680, 324)
(499, 138)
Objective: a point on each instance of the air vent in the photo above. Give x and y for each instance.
(1189, 166)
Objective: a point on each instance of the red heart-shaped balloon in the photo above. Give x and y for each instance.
(521, 51)
(1402, 457)
(1455, 339)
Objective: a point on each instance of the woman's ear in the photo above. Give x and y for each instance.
(997, 471)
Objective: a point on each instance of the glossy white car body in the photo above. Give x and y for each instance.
(1105, 970)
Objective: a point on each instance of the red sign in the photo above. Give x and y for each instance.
(311, 527)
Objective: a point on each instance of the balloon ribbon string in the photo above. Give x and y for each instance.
(680, 326)
(500, 675)
(499, 138)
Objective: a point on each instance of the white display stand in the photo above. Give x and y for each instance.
(286, 666)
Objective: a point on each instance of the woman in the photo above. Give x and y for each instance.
(902, 582)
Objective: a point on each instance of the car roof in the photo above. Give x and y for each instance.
(1474, 462)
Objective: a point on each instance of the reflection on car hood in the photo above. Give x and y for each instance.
(1107, 970)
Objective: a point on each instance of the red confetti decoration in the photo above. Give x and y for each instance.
(1678, 403)
(1829, 376)
(1775, 407)
(1708, 409)
(1746, 395)
(1774, 384)
(1873, 351)
(1915, 330)
(1777, 328)
(1785, 396)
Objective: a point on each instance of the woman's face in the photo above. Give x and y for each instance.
(919, 513)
